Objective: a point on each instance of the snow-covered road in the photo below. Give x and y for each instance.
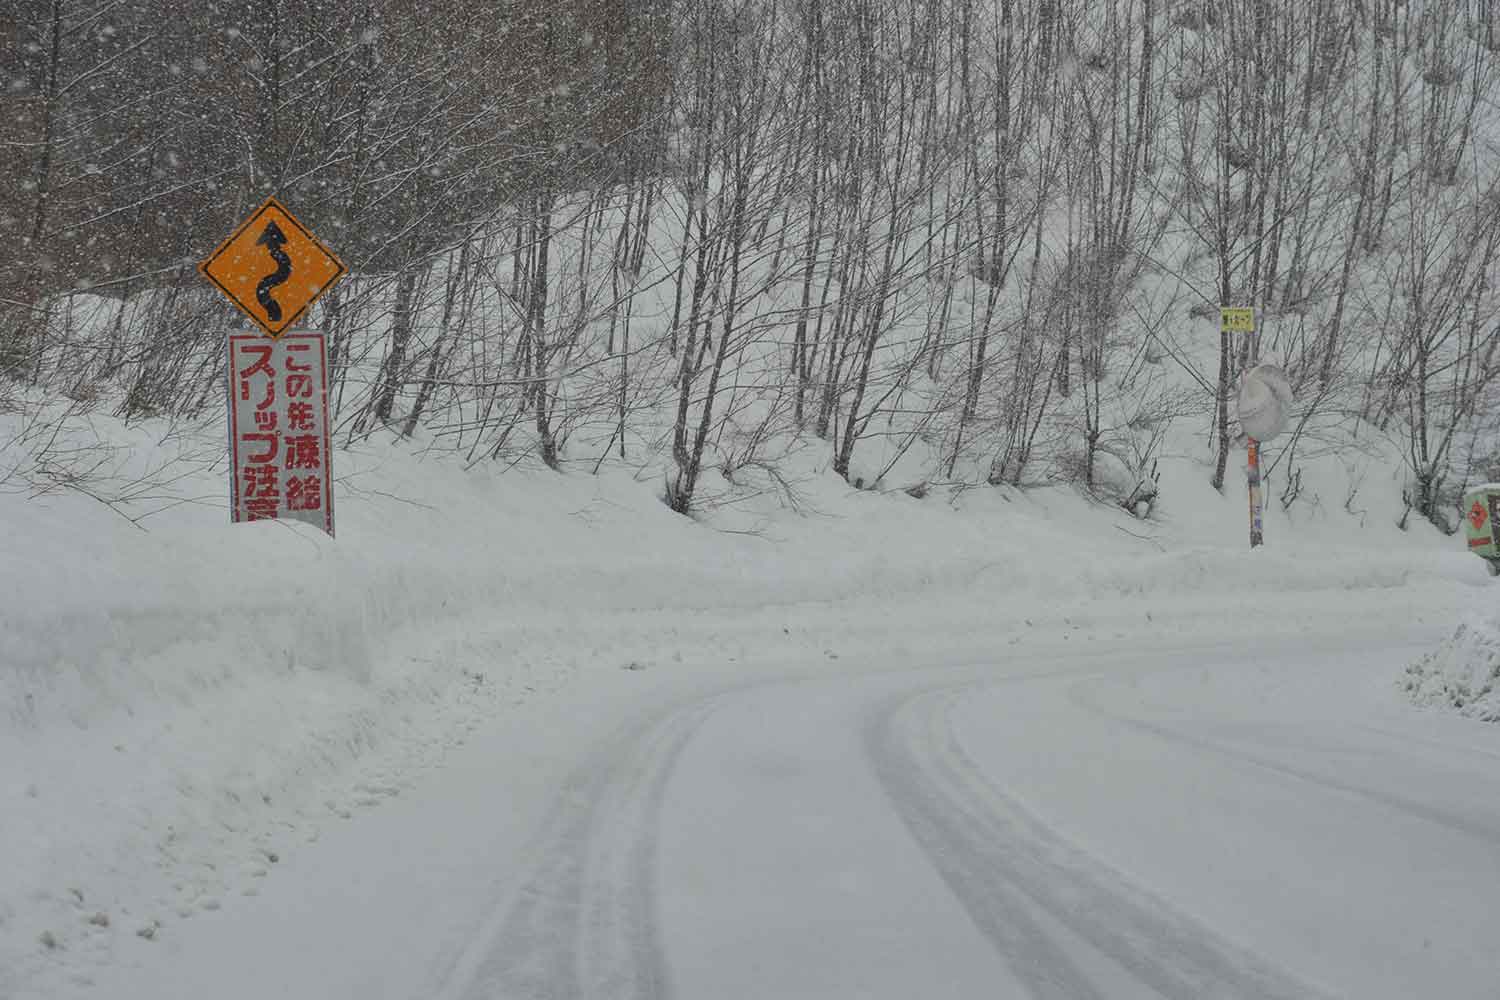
(1153, 819)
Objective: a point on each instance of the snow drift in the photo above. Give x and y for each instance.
(1463, 673)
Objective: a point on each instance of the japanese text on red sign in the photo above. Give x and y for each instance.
(279, 429)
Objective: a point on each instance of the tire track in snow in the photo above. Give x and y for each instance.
(1031, 891)
(583, 924)
(1449, 749)
(1246, 760)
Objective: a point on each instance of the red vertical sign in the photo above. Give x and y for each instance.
(279, 429)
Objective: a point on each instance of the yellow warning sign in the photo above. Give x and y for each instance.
(272, 268)
(1237, 320)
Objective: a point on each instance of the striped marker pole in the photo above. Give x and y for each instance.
(1255, 509)
(1233, 320)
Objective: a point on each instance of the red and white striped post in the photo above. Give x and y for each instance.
(1234, 320)
(1255, 509)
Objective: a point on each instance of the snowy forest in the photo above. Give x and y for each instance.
(922, 241)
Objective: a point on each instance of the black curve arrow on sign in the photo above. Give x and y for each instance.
(273, 239)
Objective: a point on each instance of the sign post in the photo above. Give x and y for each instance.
(1234, 320)
(273, 269)
(1264, 404)
(1257, 535)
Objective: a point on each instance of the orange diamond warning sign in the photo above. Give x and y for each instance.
(272, 268)
(1482, 511)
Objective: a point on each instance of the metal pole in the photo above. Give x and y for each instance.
(1257, 537)
(1254, 475)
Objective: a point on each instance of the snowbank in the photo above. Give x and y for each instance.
(1463, 673)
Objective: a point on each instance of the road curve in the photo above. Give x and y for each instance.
(835, 837)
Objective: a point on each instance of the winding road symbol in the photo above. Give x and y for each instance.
(273, 239)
